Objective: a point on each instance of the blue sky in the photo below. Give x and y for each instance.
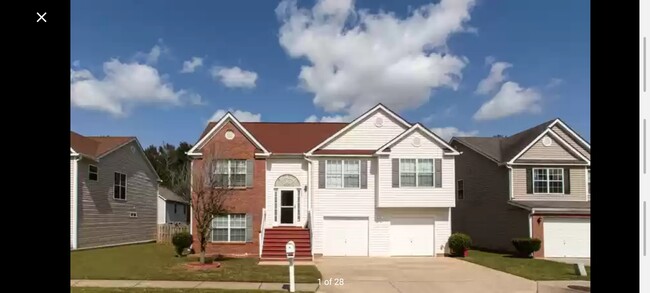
(461, 68)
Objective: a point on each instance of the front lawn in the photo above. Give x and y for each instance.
(155, 290)
(157, 262)
(533, 269)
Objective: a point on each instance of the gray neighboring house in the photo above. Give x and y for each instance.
(113, 191)
(172, 208)
(536, 183)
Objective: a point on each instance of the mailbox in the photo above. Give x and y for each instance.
(291, 250)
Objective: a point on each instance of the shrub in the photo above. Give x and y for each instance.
(208, 260)
(181, 241)
(526, 246)
(458, 243)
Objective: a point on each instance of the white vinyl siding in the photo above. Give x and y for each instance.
(229, 228)
(416, 197)
(276, 168)
(548, 181)
(342, 174)
(73, 203)
(161, 212)
(366, 135)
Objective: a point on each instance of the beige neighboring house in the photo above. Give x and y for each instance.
(535, 183)
(113, 192)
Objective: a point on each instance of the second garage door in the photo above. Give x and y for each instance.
(345, 236)
(567, 237)
(412, 236)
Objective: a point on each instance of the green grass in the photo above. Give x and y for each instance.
(154, 290)
(157, 262)
(533, 269)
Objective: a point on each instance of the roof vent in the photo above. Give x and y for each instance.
(547, 141)
(379, 122)
(229, 135)
(416, 142)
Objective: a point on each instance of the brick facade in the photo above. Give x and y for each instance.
(245, 200)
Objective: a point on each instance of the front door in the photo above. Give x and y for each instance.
(287, 207)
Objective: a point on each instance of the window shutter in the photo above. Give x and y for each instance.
(321, 174)
(249, 228)
(438, 171)
(567, 181)
(364, 174)
(395, 165)
(529, 180)
(249, 172)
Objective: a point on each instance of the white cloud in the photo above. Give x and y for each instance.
(235, 77)
(357, 58)
(76, 63)
(242, 116)
(124, 85)
(447, 112)
(154, 54)
(334, 118)
(448, 132)
(191, 65)
(554, 82)
(494, 79)
(489, 60)
(512, 99)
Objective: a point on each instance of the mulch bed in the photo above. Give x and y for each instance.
(199, 266)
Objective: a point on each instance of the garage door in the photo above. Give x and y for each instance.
(412, 237)
(345, 236)
(567, 237)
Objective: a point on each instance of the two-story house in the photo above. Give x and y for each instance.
(377, 186)
(536, 183)
(113, 189)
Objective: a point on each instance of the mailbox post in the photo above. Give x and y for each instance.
(291, 253)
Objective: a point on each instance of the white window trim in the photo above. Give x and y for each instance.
(458, 189)
(230, 174)
(417, 185)
(97, 168)
(125, 186)
(327, 186)
(229, 241)
(548, 181)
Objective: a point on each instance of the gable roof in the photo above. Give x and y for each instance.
(429, 133)
(379, 107)
(205, 137)
(504, 149)
(95, 147)
(292, 138)
(169, 195)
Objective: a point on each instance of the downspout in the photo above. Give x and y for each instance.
(191, 195)
(510, 185)
(310, 213)
(75, 203)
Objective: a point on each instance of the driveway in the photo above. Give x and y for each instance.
(392, 275)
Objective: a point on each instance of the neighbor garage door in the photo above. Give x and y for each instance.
(345, 236)
(566, 237)
(412, 236)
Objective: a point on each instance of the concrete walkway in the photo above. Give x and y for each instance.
(563, 286)
(191, 285)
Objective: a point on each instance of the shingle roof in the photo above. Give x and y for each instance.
(503, 149)
(287, 138)
(170, 195)
(553, 204)
(96, 146)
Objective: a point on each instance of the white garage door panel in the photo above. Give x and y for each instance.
(345, 236)
(567, 237)
(412, 236)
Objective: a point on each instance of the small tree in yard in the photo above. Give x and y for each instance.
(209, 191)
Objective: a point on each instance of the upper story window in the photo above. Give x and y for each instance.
(343, 173)
(548, 180)
(119, 186)
(460, 189)
(416, 173)
(231, 173)
(93, 173)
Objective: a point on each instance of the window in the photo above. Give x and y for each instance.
(231, 173)
(92, 172)
(119, 186)
(416, 172)
(175, 208)
(342, 173)
(460, 189)
(548, 180)
(229, 228)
